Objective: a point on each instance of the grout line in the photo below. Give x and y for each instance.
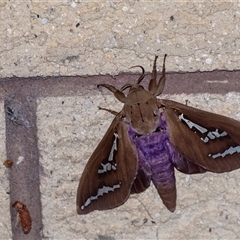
(21, 148)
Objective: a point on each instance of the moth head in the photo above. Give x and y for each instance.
(136, 94)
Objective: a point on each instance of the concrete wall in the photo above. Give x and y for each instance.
(100, 37)
(68, 38)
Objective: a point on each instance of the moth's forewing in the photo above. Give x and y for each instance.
(206, 139)
(110, 172)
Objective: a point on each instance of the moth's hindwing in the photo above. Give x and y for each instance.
(141, 183)
(209, 140)
(110, 172)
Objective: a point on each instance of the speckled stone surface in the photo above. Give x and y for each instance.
(106, 37)
(68, 38)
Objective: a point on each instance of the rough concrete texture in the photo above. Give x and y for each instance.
(56, 38)
(46, 38)
(69, 128)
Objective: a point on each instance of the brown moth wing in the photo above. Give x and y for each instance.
(189, 143)
(110, 188)
(141, 183)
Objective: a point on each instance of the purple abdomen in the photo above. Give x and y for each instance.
(156, 159)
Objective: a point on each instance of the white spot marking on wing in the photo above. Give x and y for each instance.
(214, 134)
(229, 151)
(191, 124)
(109, 166)
(114, 147)
(101, 191)
(211, 135)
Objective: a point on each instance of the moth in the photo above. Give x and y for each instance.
(24, 216)
(150, 138)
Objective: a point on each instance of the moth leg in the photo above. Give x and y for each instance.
(186, 102)
(153, 84)
(119, 95)
(109, 87)
(161, 82)
(154, 87)
(108, 110)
